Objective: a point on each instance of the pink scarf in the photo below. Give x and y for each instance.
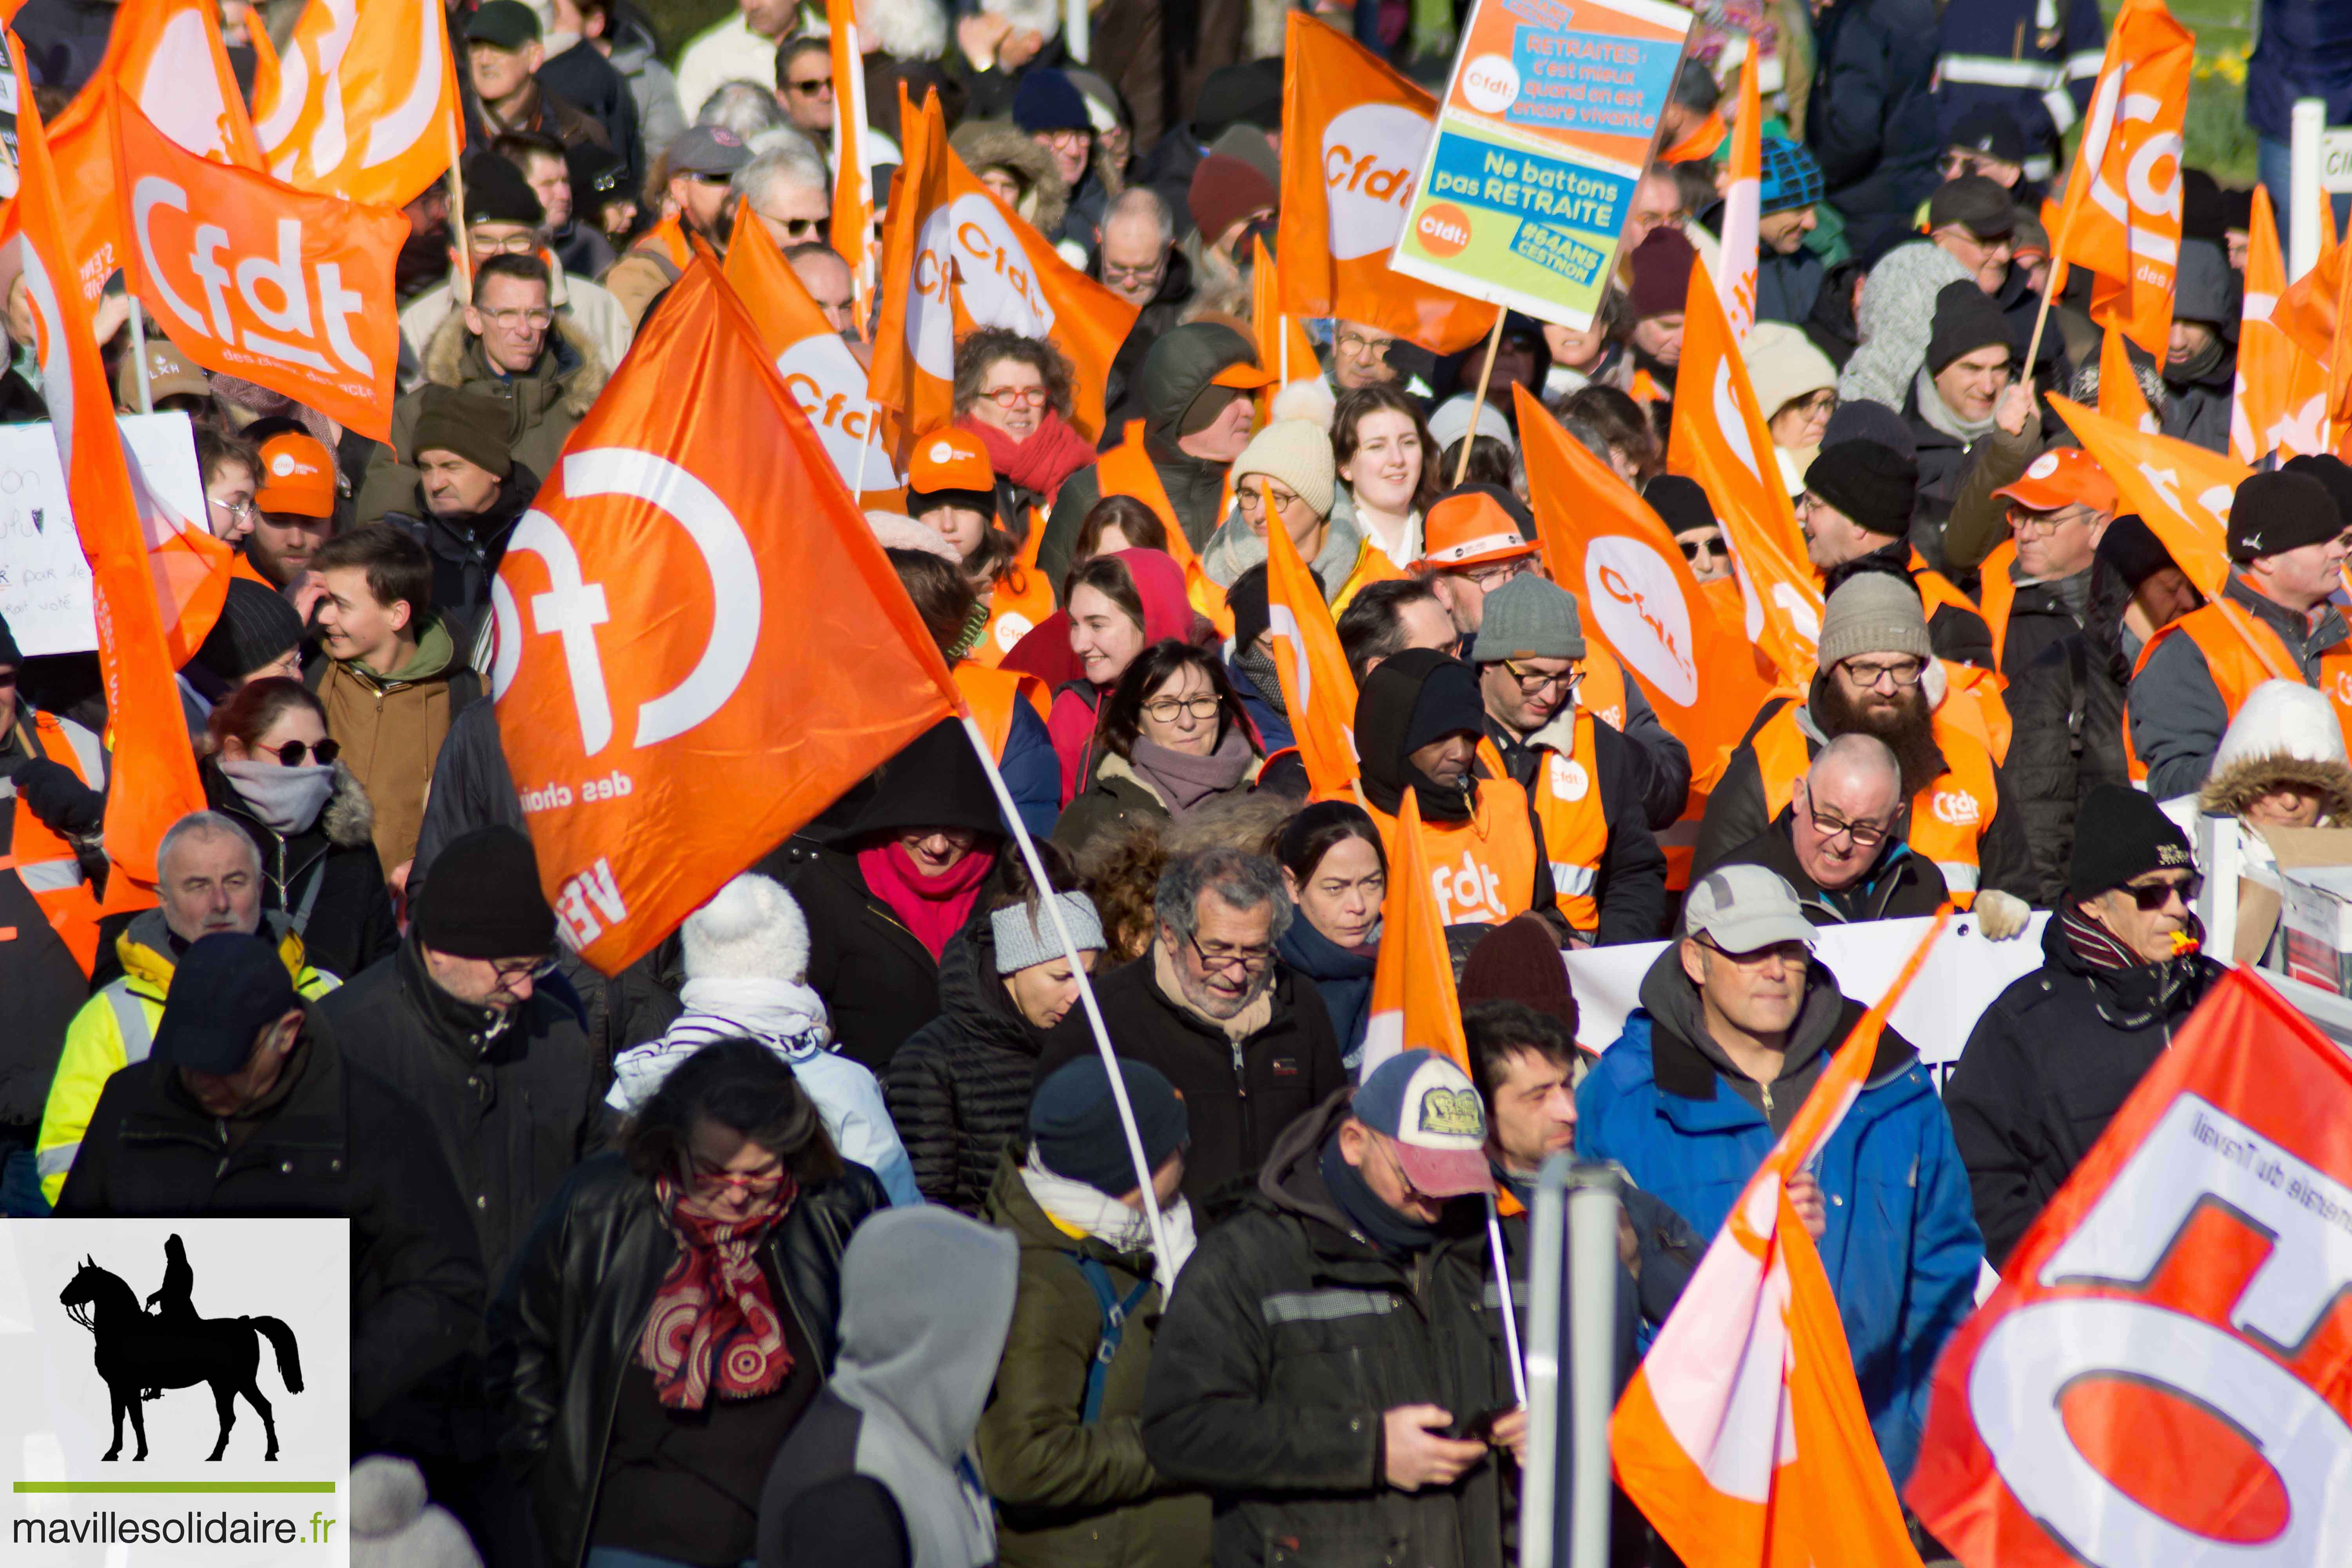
(932, 908)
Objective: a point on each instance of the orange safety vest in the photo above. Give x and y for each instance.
(240, 566)
(1372, 565)
(667, 241)
(1947, 817)
(45, 861)
(1126, 469)
(2000, 595)
(1014, 616)
(2241, 651)
(1482, 869)
(1973, 702)
(1937, 591)
(1575, 831)
(991, 694)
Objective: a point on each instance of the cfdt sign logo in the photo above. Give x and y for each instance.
(178, 1391)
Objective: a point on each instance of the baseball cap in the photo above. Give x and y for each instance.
(296, 476)
(1243, 375)
(226, 988)
(169, 374)
(507, 24)
(1460, 415)
(1470, 528)
(950, 459)
(1743, 908)
(708, 150)
(1430, 1110)
(2063, 476)
(1975, 203)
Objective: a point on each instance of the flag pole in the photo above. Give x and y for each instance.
(1085, 993)
(457, 215)
(873, 418)
(1510, 1307)
(139, 354)
(1494, 346)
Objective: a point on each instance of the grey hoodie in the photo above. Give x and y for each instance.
(1669, 997)
(1234, 549)
(1897, 316)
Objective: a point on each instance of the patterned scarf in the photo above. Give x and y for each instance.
(714, 1325)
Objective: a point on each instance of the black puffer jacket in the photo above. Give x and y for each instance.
(2066, 717)
(466, 551)
(959, 1088)
(566, 1324)
(1288, 1336)
(2048, 1065)
(1898, 886)
(327, 880)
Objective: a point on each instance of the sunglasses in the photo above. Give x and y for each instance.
(1692, 548)
(2154, 896)
(291, 753)
(811, 89)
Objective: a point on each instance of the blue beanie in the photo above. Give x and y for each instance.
(1791, 179)
(1049, 100)
(1074, 1122)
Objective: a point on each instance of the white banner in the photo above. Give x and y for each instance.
(111, 1442)
(44, 579)
(1960, 980)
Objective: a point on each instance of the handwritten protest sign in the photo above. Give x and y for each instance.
(44, 579)
(1552, 112)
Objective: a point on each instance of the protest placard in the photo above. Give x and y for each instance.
(1549, 117)
(43, 578)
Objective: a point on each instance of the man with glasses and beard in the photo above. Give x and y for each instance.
(2057, 1053)
(1840, 840)
(1878, 675)
(1245, 1039)
(693, 179)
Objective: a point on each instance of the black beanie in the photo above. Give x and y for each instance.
(1876, 486)
(495, 191)
(2132, 550)
(255, 626)
(1248, 600)
(2283, 510)
(1679, 502)
(1075, 1130)
(9, 654)
(2119, 834)
(1448, 704)
(483, 899)
(2203, 215)
(1966, 320)
(2330, 471)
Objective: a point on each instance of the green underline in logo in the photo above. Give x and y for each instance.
(125, 1486)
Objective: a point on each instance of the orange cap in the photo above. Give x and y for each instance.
(1243, 375)
(296, 476)
(950, 459)
(1469, 530)
(2063, 476)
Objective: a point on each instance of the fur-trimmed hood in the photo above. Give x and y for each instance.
(2232, 787)
(451, 358)
(2284, 733)
(983, 144)
(349, 818)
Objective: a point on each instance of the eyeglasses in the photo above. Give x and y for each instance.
(291, 753)
(1134, 277)
(502, 245)
(1694, 548)
(713, 178)
(236, 510)
(1358, 346)
(1250, 959)
(1489, 578)
(1163, 710)
(538, 319)
(1823, 402)
(2154, 896)
(1016, 397)
(1531, 684)
(801, 229)
(1904, 676)
(1065, 139)
(2045, 524)
(811, 88)
(1864, 835)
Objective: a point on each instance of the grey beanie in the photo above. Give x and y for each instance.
(1025, 935)
(1873, 612)
(1529, 617)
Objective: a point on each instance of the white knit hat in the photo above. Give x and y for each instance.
(1296, 453)
(897, 532)
(1783, 365)
(752, 930)
(2282, 719)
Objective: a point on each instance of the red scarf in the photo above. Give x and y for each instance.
(1052, 454)
(714, 1326)
(932, 908)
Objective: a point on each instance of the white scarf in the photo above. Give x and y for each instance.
(289, 800)
(1084, 1207)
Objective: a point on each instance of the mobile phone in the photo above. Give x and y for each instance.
(1480, 1428)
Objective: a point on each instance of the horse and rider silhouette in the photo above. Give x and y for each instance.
(141, 1353)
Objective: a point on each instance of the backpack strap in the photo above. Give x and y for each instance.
(1115, 1313)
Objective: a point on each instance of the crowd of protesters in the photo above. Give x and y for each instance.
(815, 1237)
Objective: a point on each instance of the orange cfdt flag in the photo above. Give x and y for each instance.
(309, 310)
(140, 560)
(2120, 398)
(1720, 441)
(2281, 391)
(823, 377)
(853, 171)
(1743, 208)
(1603, 544)
(2183, 492)
(699, 643)
(1283, 347)
(956, 258)
(1353, 135)
(364, 104)
(2121, 215)
(1318, 691)
(1742, 1436)
(1414, 1005)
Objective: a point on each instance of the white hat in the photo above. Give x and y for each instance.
(751, 930)
(1452, 420)
(1744, 907)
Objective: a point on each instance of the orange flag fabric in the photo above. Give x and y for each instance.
(2183, 492)
(1283, 350)
(955, 257)
(2121, 216)
(1603, 544)
(824, 378)
(138, 559)
(2282, 393)
(853, 171)
(2120, 398)
(1414, 1005)
(1319, 690)
(1742, 1436)
(2160, 1376)
(258, 279)
(699, 643)
(1743, 208)
(1353, 136)
(1719, 439)
(364, 104)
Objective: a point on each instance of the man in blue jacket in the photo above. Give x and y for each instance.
(1737, 1022)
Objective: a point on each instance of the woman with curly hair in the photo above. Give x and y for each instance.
(1014, 393)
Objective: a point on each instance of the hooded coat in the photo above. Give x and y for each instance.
(2066, 724)
(2196, 394)
(1153, 322)
(326, 879)
(1176, 370)
(1895, 317)
(1291, 1333)
(1078, 703)
(1901, 1249)
(2284, 735)
(1001, 144)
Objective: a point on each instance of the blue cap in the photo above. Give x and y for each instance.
(227, 989)
(1428, 1108)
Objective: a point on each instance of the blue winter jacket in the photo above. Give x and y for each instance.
(1901, 1249)
(2304, 51)
(1032, 772)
